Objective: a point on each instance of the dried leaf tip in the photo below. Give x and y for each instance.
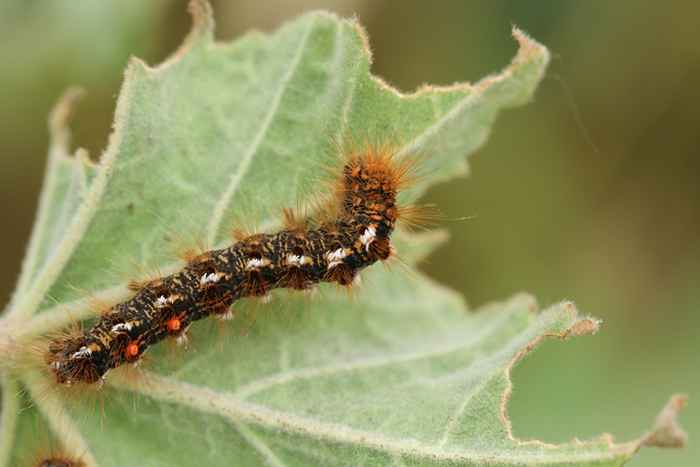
(202, 16)
(528, 47)
(61, 113)
(667, 432)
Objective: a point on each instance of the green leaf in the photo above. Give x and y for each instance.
(400, 373)
(66, 182)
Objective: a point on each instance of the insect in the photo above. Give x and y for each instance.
(299, 257)
(60, 462)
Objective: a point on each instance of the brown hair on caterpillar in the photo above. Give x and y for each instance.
(46, 455)
(299, 257)
(54, 459)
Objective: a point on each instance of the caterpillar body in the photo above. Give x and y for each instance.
(59, 462)
(297, 257)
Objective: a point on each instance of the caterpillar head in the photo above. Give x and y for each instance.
(72, 359)
(60, 462)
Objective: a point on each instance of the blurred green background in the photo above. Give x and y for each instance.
(590, 193)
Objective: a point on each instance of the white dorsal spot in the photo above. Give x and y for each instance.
(368, 236)
(256, 263)
(169, 300)
(334, 258)
(122, 327)
(82, 353)
(296, 260)
(211, 278)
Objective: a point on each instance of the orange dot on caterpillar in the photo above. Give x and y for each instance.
(174, 324)
(132, 351)
(330, 249)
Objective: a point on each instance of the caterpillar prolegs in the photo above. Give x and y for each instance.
(298, 257)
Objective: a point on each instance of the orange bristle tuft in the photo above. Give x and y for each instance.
(189, 254)
(239, 234)
(419, 216)
(293, 220)
(136, 285)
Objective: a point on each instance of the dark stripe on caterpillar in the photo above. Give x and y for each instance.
(297, 258)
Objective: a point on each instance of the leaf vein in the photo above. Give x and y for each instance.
(228, 194)
(259, 445)
(232, 408)
(60, 422)
(8, 418)
(257, 386)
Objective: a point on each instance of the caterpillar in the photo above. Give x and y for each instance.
(299, 257)
(55, 461)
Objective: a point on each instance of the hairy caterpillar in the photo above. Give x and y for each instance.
(55, 461)
(47, 455)
(299, 257)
